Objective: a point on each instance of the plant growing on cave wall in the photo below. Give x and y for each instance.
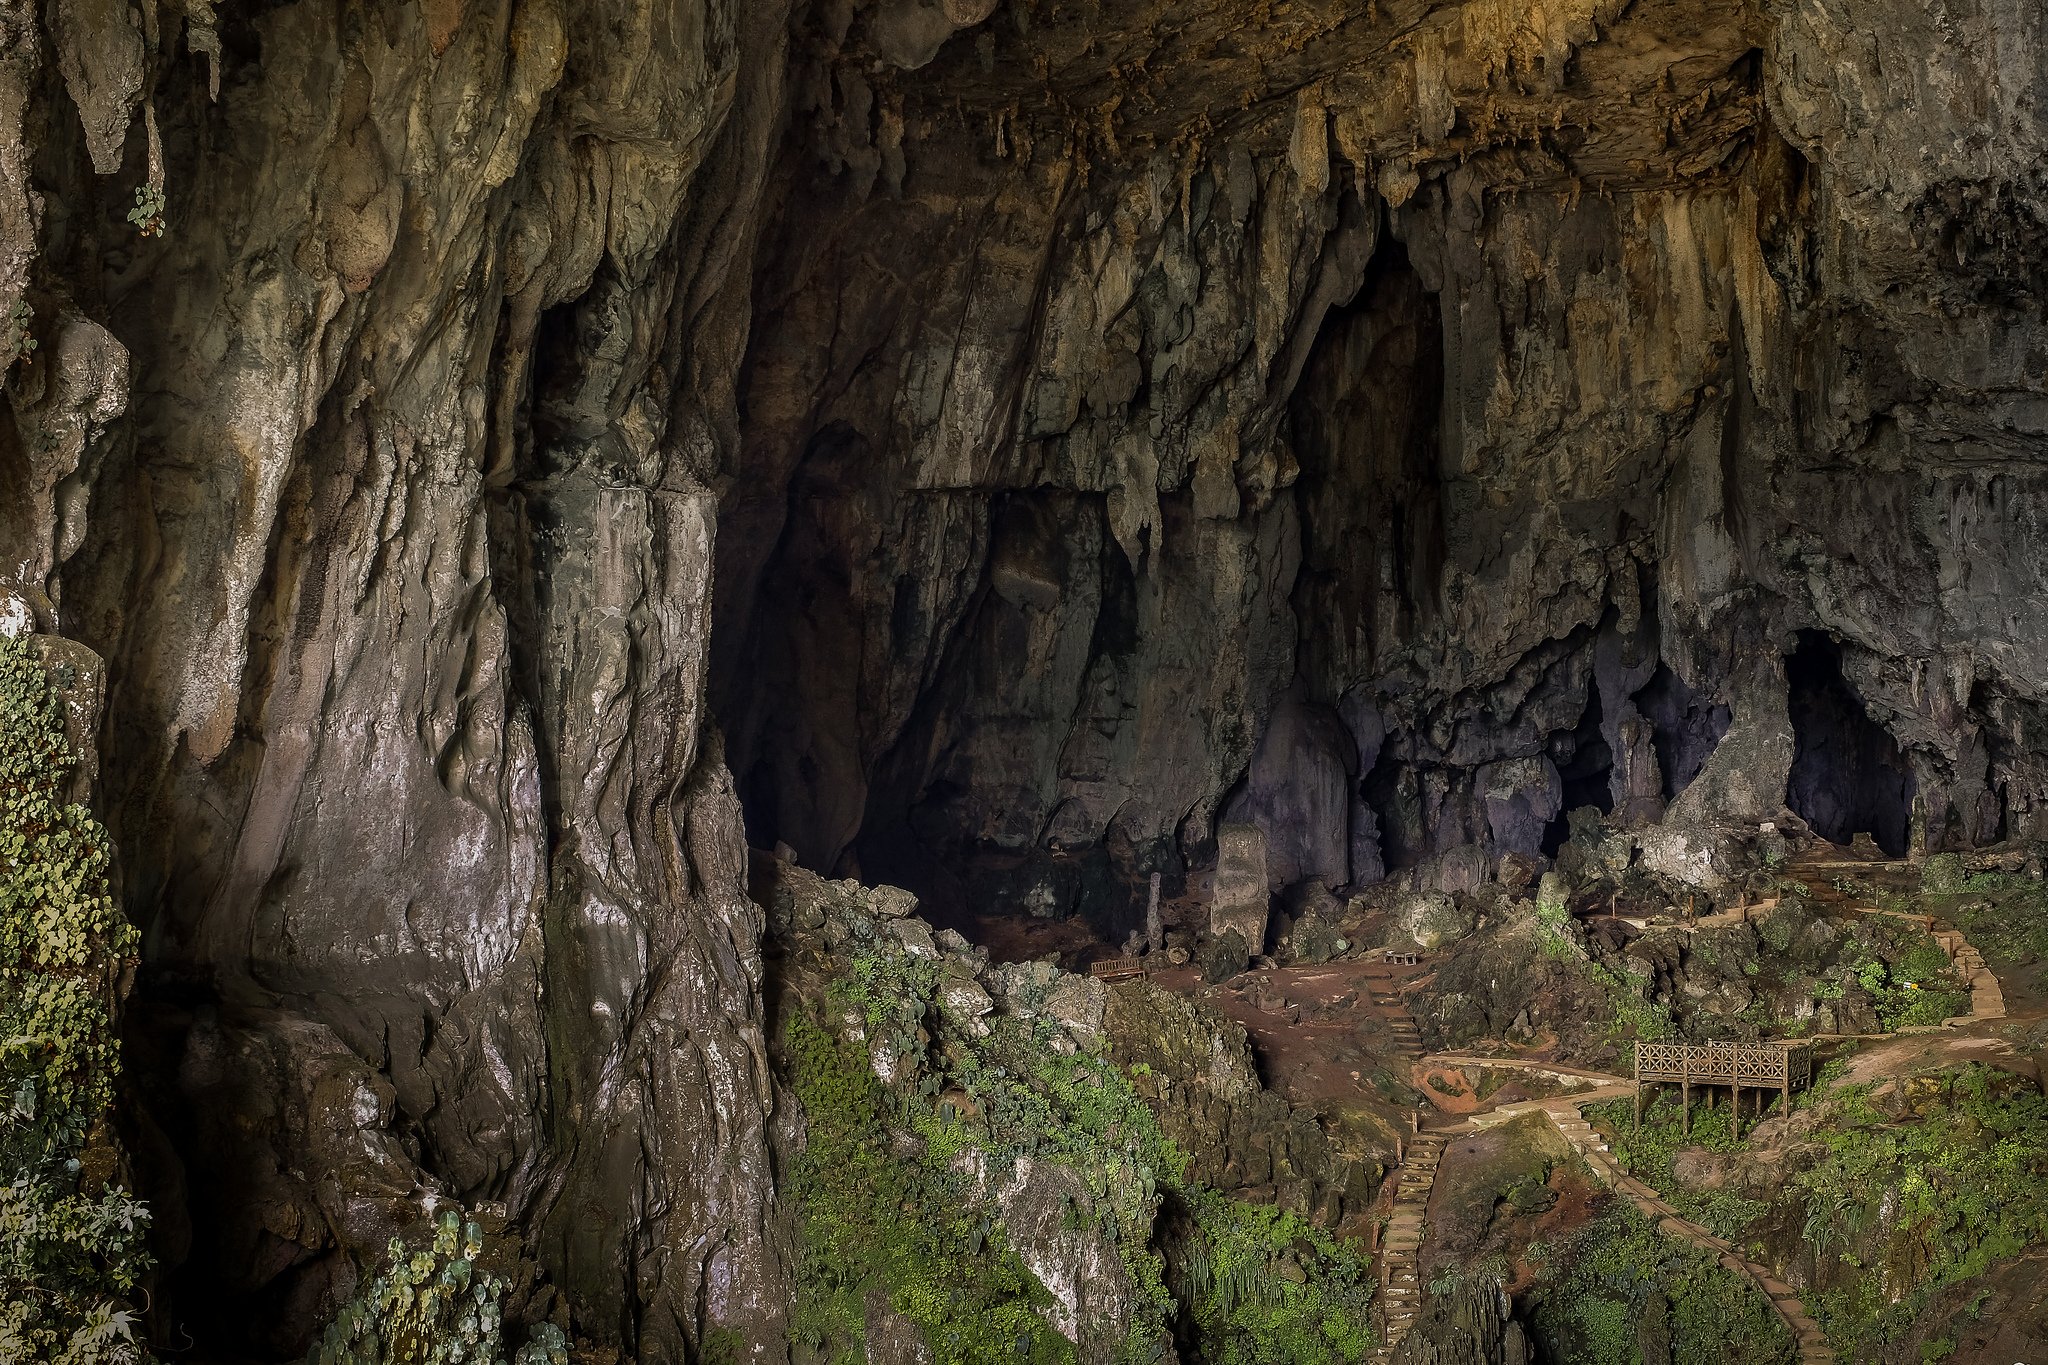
(433, 1305)
(17, 341)
(1261, 1285)
(886, 1219)
(71, 1238)
(148, 213)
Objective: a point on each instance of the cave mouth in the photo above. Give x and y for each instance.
(1684, 728)
(1848, 775)
(1585, 769)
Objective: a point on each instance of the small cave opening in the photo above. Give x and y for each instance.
(1848, 776)
(1685, 728)
(1585, 768)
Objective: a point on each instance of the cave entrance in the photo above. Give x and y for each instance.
(1685, 728)
(1848, 775)
(1585, 767)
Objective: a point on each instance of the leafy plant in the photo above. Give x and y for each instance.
(17, 342)
(72, 1241)
(1264, 1286)
(148, 213)
(433, 1305)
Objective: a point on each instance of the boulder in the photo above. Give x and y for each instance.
(1432, 919)
(1224, 957)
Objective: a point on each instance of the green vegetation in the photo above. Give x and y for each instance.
(2005, 916)
(888, 1208)
(433, 1306)
(1924, 1184)
(17, 341)
(1648, 1155)
(1263, 1286)
(1633, 1017)
(878, 1218)
(148, 213)
(71, 1239)
(1916, 1186)
(1908, 977)
(1617, 1283)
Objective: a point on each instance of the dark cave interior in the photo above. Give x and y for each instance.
(1848, 776)
(965, 738)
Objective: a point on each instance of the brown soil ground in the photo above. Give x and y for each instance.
(1315, 1030)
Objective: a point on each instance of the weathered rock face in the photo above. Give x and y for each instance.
(1398, 426)
(1444, 421)
(367, 478)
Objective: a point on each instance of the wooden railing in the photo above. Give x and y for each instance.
(1783, 1067)
(1775, 1065)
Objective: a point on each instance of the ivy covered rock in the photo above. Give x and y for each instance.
(72, 1239)
(434, 1305)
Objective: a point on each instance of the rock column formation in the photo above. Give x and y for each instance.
(381, 477)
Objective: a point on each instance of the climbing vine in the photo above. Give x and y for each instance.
(72, 1243)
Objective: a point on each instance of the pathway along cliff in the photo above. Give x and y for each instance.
(514, 457)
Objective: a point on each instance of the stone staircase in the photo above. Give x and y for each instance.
(1987, 1001)
(1383, 986)
(1401, 1248)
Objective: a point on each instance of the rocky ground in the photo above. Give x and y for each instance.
(1541, 994)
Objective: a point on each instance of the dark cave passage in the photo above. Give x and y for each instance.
(1585, 765)
(1848, 776)
(1366, 419)
(1685, 727)
(978, 695)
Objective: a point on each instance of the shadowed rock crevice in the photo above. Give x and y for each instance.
(1847, 777)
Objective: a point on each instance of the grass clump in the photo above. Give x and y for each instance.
(72, 1240)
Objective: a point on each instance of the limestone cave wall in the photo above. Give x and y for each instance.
(533, 448)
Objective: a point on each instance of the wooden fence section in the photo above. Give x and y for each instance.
(1782, 1067)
